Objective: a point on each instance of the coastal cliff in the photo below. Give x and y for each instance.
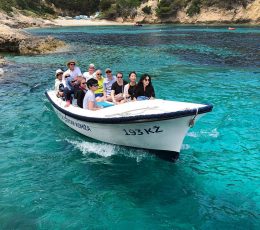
(249, 14)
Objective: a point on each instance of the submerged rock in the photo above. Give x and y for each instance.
(39, 45)
(3, 62)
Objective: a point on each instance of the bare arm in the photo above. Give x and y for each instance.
(104, 91)
(104, 94)
(113, 96)
(125, 93)
(91, 106)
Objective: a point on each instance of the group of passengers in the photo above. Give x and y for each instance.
(91, 87)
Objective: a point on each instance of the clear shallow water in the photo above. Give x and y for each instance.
(52, 177)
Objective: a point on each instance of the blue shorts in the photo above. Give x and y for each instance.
(99, 95)
(142, 98)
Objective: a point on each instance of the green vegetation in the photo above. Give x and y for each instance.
(116, 8)
(226, 4)
(85, 7)
(6, 5)
(119, 8)
(42, 7)
(194, 8)
(147, 9)
(169, 8)
(35, 6)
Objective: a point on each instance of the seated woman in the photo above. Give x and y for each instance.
(129, 88)
(99, 92)
(81, 91)
(89, 101)
(90, 73)
(118, 88)
(144, 89)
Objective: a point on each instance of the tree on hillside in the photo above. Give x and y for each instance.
(87, 7)
(119, 8)
(168, 8)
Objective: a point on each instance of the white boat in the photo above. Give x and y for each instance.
(157, 124)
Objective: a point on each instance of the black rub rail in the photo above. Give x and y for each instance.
(134, 119)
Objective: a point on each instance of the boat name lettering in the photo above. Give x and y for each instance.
(78, 125)
(134, 132)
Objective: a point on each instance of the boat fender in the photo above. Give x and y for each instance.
(192, 120)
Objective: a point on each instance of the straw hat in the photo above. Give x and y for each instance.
(71, 61)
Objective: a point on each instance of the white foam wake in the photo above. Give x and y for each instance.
(213, 133)
(101, 149)
(108, 150)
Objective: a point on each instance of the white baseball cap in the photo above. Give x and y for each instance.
(58, 71)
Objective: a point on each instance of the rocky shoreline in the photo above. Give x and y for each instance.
(14, 39)
(18, 41)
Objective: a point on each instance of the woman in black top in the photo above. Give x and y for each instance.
(129, 89)
(117, 89)
(80, 93)
(144, 89)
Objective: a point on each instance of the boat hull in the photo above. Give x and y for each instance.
(158, 125)
(160, 135)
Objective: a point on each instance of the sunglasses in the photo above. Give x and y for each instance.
(98, 73)
(73, 81)
(83, 83)
(72, 63)
(147, 79)
(119, 77)
(109, 72)
(95, 85)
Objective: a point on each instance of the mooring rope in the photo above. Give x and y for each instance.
(192, 120)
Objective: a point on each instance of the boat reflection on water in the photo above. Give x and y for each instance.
(138, 24)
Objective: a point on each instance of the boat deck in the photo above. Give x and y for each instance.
(147, 107)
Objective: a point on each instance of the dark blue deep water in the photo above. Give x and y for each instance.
(54, 178)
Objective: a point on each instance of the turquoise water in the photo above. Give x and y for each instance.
(53, 178)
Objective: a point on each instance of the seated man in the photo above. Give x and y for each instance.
(89, 101)
(72, 70)
(108, 82)
(117, 89)
(70, 89)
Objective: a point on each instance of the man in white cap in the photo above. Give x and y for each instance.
(72, 70)
(58, 83)
(91, 72)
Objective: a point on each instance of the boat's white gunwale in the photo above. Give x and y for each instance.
(133, 119)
